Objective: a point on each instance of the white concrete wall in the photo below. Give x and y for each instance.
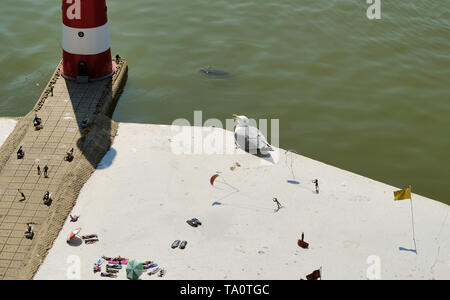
(6, 127)
(139, 199)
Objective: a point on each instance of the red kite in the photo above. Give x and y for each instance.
(213, 178)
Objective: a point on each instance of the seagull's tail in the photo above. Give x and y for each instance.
(268, 148)
(265, 151)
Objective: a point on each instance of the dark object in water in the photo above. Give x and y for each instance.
(213, 72)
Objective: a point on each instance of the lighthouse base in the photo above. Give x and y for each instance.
(87, 79)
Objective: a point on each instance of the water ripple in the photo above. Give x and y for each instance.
(368, 96)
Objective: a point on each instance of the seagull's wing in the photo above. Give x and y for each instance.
(241, 137)
(251, 139)
(258, 139)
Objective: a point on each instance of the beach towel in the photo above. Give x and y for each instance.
(114, 266)
(150, 266)
(91, 241)
(122, 262)
(89, 236)
(112, 271)
(103, 274)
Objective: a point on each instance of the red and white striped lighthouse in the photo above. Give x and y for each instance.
(85, 42)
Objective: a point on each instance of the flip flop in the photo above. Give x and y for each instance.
(154, 271)
(197, 221)
(175, 244)
(162, 273)
(183, 244)
(192, 223)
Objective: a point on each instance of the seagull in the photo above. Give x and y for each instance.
(249, 138)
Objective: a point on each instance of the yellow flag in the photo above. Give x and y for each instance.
(402, 194)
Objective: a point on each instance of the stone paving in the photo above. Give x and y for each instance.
(62, 115)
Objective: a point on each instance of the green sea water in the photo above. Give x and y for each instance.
(368, 96)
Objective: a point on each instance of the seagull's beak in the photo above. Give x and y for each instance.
(235, 117)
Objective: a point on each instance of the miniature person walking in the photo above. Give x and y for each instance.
(279, 206)
(69, 155)
(316, 183)
(20, 153)
(46, 171)
(37, 122)
(39, 170)
(29, 234)
(85, 123)
(47, 198)
(22, 194)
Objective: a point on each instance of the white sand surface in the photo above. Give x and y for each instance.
(140, 197)
(6, 127)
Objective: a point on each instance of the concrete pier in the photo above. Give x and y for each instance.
(63, 106)
(143, 192)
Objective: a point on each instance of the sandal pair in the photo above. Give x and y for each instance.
(194, 222)
(177, 243)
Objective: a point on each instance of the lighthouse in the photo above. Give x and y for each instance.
(85, 40)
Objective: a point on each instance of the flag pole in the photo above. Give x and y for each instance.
(412, 219)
